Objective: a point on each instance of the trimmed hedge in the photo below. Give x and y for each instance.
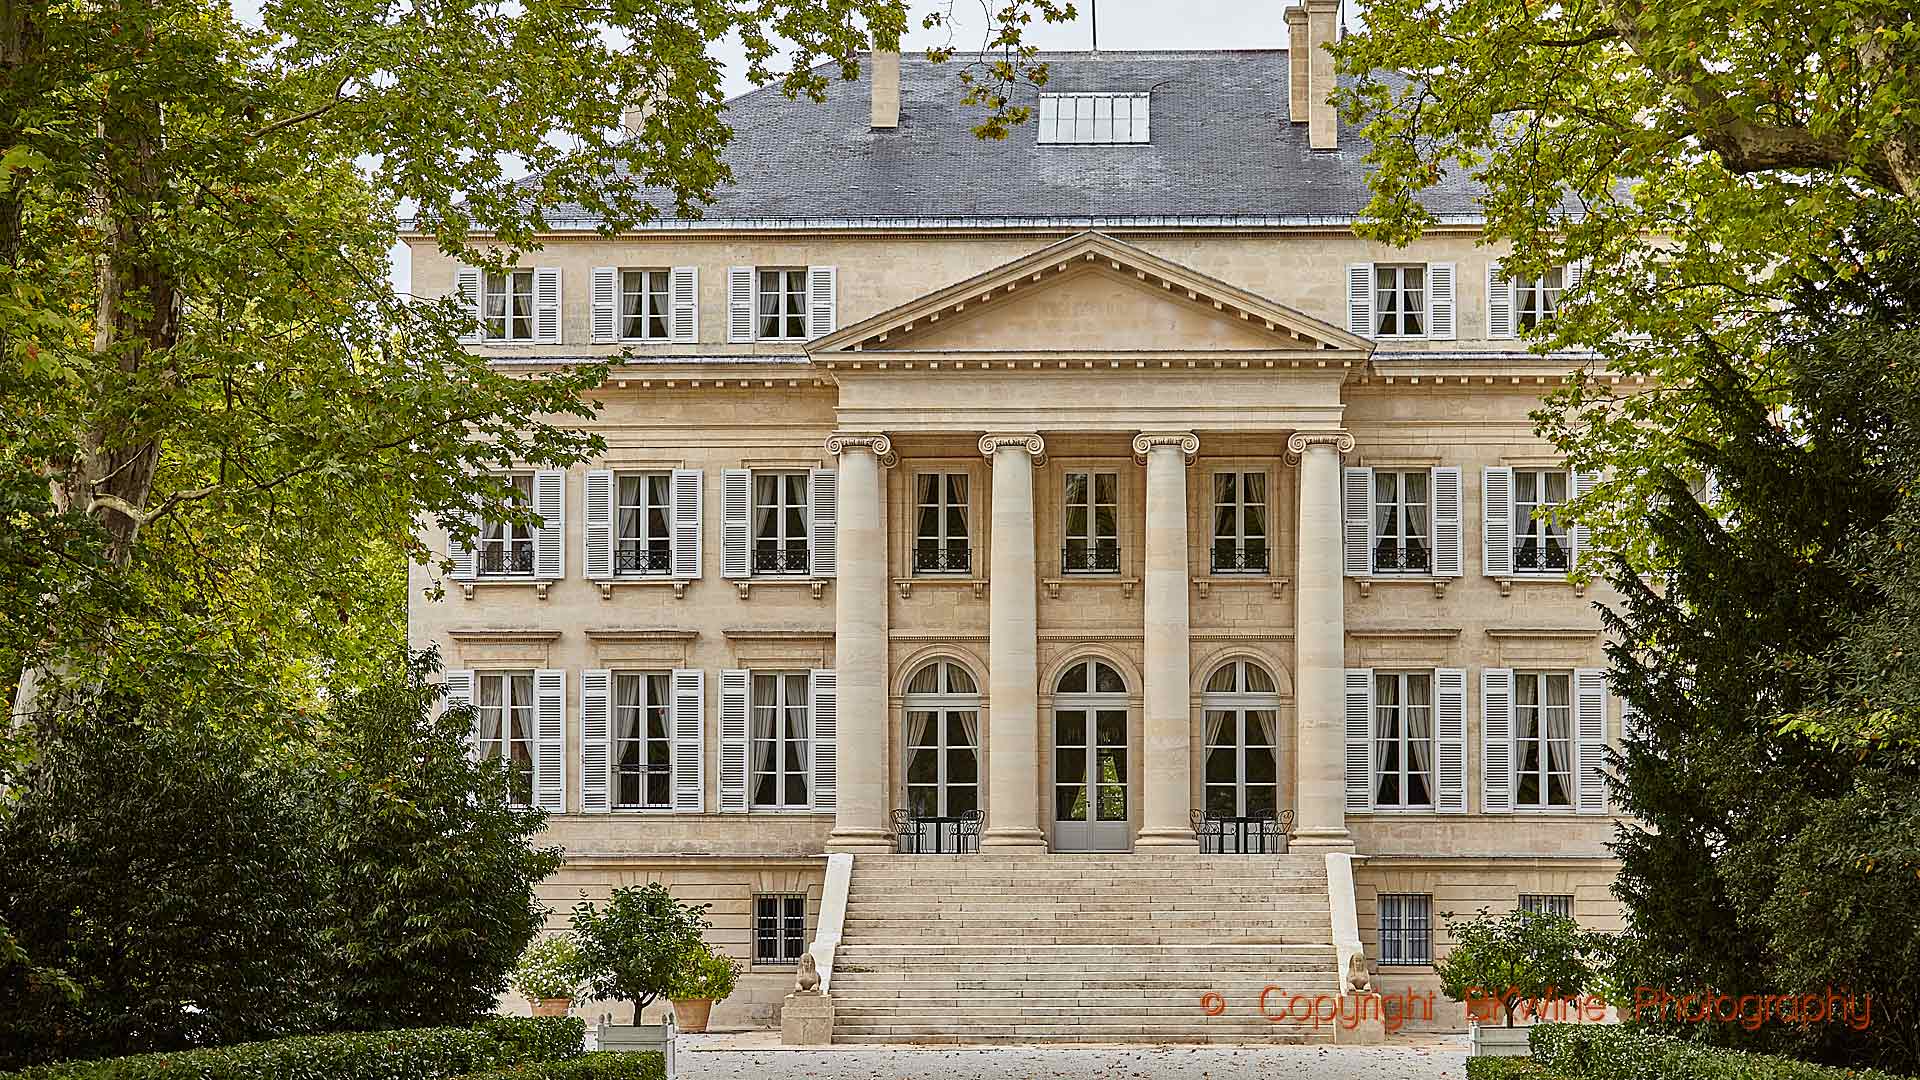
(412, 1054)
(602, 1065)
(1607, 1052)
(1513, 1068)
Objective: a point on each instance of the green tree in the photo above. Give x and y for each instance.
(636, 946)
(1519, 958)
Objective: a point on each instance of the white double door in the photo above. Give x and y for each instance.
(1092, 776)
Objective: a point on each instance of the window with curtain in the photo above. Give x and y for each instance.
(1542, 739)
(504, 702)
(1402, 540)
(505, 548)
(942, 741)
(1241, 711)
(780, 523)
(783, 303)
(644, 517)
(1092, 525)
(1400, 300)
(1240, 522)
(1535, 300)
(1539, 543)
(941, 544)
(1403, 740)
(507, 311)
(779, 751)
(644, 305)
(642, 741)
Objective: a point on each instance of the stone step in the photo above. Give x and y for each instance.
(1120, 1032)
(1117, 860)
(1185, 1038)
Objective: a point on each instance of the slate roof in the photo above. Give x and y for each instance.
(1222, 152)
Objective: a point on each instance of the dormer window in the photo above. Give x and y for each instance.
(1093, 119)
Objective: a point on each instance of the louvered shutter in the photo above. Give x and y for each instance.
(1499, 302)
(823, 504)
(546, 305)
(1574, 277)
(466, 285)
(1356, 499)
(823, 300)
(684, 293)
(1496, 522)
(606, 304)
(733, 740)
(461, 556)
(686, 522)
(1360, 299)
(689, 740)
(1359, 740)
(459, 684)
(597, 528)
(736, 510)
(1440, 307)
(824, 705)
(1583, 483)
(1590, 739)
(739, 303)
(1449, 541)
(550, 740)
(596, 740)
(1496, 740)
(550, 502)
(1450, 740)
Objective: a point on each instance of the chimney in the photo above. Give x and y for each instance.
(886, 88)
(1323, 122)
(633, 118)
(1296, 17)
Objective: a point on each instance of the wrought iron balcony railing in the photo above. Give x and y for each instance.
(1531, 554)
(1391, 558)
(774, 559)
(633, 559)
(1251, 834)
(1251, 559)
(938, 559)
(1090, 557)
(495, 559)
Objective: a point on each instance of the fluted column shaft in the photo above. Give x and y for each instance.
(860, 644)
(1167, 794)
(1320, 645)
(1013, 721)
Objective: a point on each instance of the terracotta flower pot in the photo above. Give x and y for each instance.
(552, 1006)
(691, 1014)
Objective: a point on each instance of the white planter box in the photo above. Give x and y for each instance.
(1489, 1041)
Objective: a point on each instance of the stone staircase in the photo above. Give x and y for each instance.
(1081, 948)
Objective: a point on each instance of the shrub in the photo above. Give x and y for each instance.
(550, 968)
(633, 946)
(603, 1065)
(709, 975)
(1610, 1052)
(523, 1039)
(1513, 1068)
(1521, 956)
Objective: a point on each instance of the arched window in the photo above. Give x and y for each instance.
(1242, 717)
(1090, 759)
(943, 741)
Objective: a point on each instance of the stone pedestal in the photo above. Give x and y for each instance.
(806, 1020)
(1363, 1021)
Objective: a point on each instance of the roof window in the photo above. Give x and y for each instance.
(1093, 119)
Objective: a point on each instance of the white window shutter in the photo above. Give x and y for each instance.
(733, 740)
(824, 692)
(736, 513)
(546, 305)
(1590, 740)
(686, 486)
(596, 740)
(606, 304)
(1449, 539)
(1450, 740)
(550, 740)
(683, 293)
(1360, 299)
(823, 504)
(466, 285)
(459, 684)
(598, 525)
(1574, 277)
(1359, 740)
(739, 303)
(689, 740)
(1499, 302)
(1496, 522)
(1583, 484)
(823, 300)
(1357, 521)
(1496, 740)
(550, 502)
(462, 558)
(1440, 305)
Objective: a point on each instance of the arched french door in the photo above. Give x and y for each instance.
(942, 741)
(1092, 778)
(1240, 712)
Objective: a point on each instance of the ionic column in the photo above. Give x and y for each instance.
(1167, 796)
(1319, 635)
(1013, 719)
(860, 643)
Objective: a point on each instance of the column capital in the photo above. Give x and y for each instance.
(881, 446)
(1032, 443)
(1185, 441)
(1299, 441)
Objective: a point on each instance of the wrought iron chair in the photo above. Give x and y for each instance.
(1251, 834)
(929, 834)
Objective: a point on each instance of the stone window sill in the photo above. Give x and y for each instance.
(1127, 584)
(1206, 585)
(1507, 582)
(906, 585)
(607, 585)
(746, 585)
(523, 581)
(1435, 582)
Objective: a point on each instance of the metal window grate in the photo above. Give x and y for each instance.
(1406, 928)
(779, 928)
(1547, 903)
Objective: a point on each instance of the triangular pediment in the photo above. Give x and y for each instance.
(1090, 292)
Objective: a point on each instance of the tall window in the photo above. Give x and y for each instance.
(1540, 544)
(1535, 300)
(644, 307)
(1241, 709)
(504, 702)
(780, 522)
(506, 548)
(783, 303)
(1547, 903)
(779, 928)
(1543, 739)
(1400, 299)
(1401, 534)
(507, 306)
(943, 739)
(1406, 929)
(642, 745)
(781, 749)
(1240, 522)
(1403, 739)
(941, 544)
(645, 517)
(1092, 526)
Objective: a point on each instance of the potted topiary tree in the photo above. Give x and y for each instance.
(548, 975)
(635, 945)
(708, 976)
(1497, 965)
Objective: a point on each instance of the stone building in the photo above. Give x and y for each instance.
(1096, 491)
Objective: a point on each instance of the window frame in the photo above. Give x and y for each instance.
(500, 749)
(1399, 290)
(782, 539)
(1410, 930)
(646, 292)
(943, 703)
(508, 289)
(1404, 741)
(1546, 903)
(654, 553)
(943, 539)
(1239, 703)
(1092, 542)
(792, 305)
(1531, 526)
(646, 708)
(1402, 509)
(514, 541)
(1523, 319)
(782, 710)
(1139, 124)
(1241, 539)
(782, 918)
(1545, 772)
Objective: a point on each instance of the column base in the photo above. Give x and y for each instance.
(862, 841)
(1324, 840)
(1013, 841)
(1166, 840)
